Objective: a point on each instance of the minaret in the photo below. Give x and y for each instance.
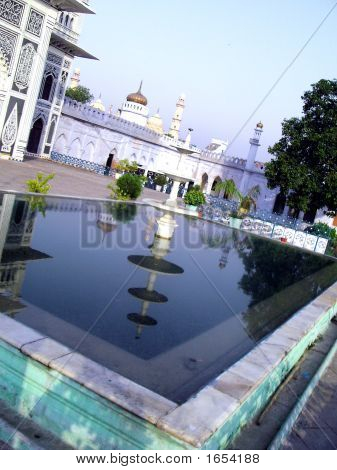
(178, 115)
(75, 79)
(189, 137)
(254, 145)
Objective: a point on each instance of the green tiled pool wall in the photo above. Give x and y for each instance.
(76, 415)
(256, 402)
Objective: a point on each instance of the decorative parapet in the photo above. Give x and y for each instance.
(86, 113)
(223, 159)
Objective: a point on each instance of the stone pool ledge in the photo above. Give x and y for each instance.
(92, 407)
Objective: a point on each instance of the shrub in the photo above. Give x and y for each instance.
(160, 180)
(322, 230)
(194, 198)
(40, 183)
(127, 187)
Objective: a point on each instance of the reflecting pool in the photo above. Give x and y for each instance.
(169, 314)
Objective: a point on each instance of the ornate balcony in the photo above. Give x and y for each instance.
(66, 33)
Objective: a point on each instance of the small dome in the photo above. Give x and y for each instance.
(98, 104)
(155, 123)
(259, 125)
(137, 97)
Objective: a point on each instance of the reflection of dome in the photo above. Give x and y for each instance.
(106, 223)
(137, 97)
(98, 104)
(105, 227)
(150, 263)
(155, 123)
(259, 125)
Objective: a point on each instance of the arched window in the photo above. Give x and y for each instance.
(67, 21)
(71, 23)
(46, 91)
(35, 136)
(61, 18)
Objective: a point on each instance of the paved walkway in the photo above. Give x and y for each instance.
(68, 180)
(316, 426)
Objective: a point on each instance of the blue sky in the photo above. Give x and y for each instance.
(225, 55)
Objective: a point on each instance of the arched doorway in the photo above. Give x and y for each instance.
(109, 160)
(214, 192)
(204, 181)
(279, 204)
(108, 164)
(35, 136)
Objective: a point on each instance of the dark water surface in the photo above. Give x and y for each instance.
(169, 315)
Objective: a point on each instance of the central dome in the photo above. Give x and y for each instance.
(137, 97)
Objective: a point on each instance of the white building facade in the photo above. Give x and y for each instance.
(38, 42)
(101, 138)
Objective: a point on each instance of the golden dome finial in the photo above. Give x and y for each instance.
(138, 97)
(259, 125)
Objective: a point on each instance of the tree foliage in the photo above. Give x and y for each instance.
(305, 163)
(80, 94)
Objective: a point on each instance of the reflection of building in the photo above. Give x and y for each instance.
(16, 230)
(156, 266)
(38, 41)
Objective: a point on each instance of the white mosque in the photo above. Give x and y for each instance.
(91, 134)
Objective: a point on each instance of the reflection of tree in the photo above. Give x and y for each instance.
(122, 211)
(37, 203)
(271, 267)
(280, 280)
(225, 238)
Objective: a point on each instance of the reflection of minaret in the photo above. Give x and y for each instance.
(156, 265)
(16, 229)
(75, 79)
(178, 115)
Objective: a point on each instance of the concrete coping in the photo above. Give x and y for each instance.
(196, 420)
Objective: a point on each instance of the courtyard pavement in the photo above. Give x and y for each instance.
(68, 181)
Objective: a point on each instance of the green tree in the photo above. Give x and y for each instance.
(80, 94)
(305, 163)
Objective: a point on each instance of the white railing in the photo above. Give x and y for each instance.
(66, 33)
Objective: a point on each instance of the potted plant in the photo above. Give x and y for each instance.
(160, 181)
(193, 199)
(249, 200)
